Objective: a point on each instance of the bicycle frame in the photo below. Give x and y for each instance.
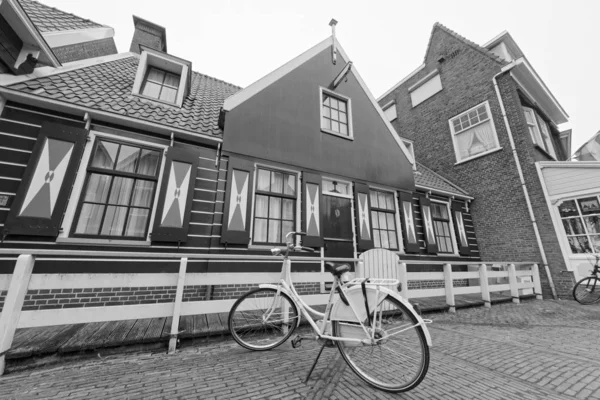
(286, 285)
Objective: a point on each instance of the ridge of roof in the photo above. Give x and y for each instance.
(458, 190)
(51, 19)
(463, 39)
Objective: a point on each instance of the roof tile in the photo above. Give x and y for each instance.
(426, 178)
(49, 19)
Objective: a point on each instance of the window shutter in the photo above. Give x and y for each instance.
(236, 215)
(42, 196)
(362, 205)
(459, 227)
(172, 217)
(411, 243)
(432, 246)
(311, 210)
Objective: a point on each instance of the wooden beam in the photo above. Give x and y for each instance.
(177, 307)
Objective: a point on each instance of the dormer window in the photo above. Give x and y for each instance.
(336, 117)
(161, 85)
(162, 77)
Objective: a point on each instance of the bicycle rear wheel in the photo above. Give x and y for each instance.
(587, 290)
(262, 319)
(399, 359)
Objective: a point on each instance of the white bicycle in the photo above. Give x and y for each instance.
(379, 334)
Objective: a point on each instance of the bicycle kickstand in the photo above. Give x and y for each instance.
(315, 363)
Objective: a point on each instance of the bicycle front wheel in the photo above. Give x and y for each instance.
(262, 319)
(398, 359)
(587, 290)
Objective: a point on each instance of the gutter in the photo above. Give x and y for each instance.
(148, 126)
(505, 69)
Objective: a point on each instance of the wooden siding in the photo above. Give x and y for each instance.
(571, 180)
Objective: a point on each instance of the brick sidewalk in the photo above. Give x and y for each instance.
(536, 350)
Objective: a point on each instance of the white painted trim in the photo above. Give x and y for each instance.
(66, 38)
(451, 223)
(407, 77)
(243, 95)
(454, 134)
(42, 72)
(348, 101)
(424, 80)
(443, 192)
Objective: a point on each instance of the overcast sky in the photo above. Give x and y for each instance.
(241, 41)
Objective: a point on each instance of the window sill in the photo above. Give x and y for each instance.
(160, 102)
(103, 242)
(485, 153)
(337, 134)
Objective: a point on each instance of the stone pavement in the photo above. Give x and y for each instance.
(535, 350)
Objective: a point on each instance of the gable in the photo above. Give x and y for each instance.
(281, 123)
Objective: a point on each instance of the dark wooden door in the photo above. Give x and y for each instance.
(337, 227)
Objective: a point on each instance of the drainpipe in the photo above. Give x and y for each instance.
(505, 69)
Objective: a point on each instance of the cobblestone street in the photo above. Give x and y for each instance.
(535, 350)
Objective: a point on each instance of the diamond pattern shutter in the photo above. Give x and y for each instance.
(459, 227)
(432, 246)
(42, 196)
(411, 243)
(311, 210)
(362, 204)
(236, 216)
(172, 217)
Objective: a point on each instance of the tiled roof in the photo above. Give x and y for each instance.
(426, 178)
(49, 19)
(466, 41)
(108, 87)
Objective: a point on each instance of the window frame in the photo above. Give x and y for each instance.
(297, 209)
(581, 218)
(397, 227)
(113, 173)
(72, 212)
(339, 97)
(162, 85)
(543, 133)
(390, 105)
(454, 133)
(455, 245)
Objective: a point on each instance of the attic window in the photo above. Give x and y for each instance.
(161, 85)
(162, 77)
(336, 114)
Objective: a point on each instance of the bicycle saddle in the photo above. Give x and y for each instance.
(337, 269)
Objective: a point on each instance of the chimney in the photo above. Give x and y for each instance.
(148, 34)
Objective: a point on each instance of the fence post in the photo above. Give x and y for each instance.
(403, 278)
(512, 281)
(537, 284)
(11, 311)
(177, 308)
(449, 284)
(485, 287)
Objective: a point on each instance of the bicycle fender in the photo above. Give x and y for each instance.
(342, 312)
(275, 287)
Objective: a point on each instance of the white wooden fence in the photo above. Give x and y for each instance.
(22, 280)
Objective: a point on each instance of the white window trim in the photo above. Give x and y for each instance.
(564, 235)
(297, 225)
(453, 133)
(331, 179)
(69, 218)
(389, 105)
(399, 236)
(148, 59)
(451, 225)
(348, 101)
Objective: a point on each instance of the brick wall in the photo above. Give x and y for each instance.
(499, 211)
(82, 51)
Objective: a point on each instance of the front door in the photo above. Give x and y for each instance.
(337, 227)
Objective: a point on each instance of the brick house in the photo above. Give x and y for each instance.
(482, 117)
(137, 152)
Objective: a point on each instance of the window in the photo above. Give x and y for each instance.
(274, 206)
(425, 88)
(441, 225)
(473, 133)
(161, 85)
(539, 131)
(383, 217)
(389, 110)
(581, 221)
(335, 114)
(119, 191)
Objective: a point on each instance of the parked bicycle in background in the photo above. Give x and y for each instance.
(587, 290)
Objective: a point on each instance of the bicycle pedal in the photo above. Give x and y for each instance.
(296, 341)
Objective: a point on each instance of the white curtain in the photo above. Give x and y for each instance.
(465, 140)
(486, 135)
